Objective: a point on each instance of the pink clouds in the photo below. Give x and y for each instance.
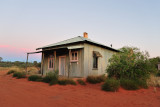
(14, 49)
(15, 53)
(4, 46)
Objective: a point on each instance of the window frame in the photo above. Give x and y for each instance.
(52, 63)
(73, 59)
(95, 58)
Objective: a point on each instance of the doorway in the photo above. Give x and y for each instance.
(62, 60)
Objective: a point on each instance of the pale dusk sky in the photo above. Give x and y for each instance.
(28, 24)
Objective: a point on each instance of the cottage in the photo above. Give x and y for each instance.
(76, 57)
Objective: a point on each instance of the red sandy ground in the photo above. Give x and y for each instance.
(23, 93)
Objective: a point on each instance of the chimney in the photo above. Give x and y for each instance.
(85, 35)
(111, 45)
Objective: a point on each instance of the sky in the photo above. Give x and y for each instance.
(28, 24)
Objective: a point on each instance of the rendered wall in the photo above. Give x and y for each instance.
(102, 61)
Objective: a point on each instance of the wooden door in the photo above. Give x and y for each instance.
(62, 60)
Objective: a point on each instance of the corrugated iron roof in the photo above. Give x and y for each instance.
(75, 40)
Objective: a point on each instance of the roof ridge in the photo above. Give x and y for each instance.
(67, 39)
(81, 38)
(76, 39)
(62, 41)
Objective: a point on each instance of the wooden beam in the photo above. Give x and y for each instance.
(42, 61)
(69, 68)
(55, 60)
(34, 52)
(53, 48)
(27, 62)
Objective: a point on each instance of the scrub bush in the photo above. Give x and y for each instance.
(51, 78)
(53, 82)
(11, 72)
(142, 83)
(130, 63)
(129, 84)
(47, 79)
(111, 85)
(34, 78)
(66, 81)
(132, 67)
(81, 82)
(96, 79)
(154, 81)
(62, 82)
(19, 75)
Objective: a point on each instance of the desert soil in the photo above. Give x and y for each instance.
(23, 93)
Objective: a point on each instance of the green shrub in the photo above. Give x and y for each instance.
(15, 74)
(53, 82)
(51, 78)
(92, 79)
(101, 78)
(111, 85)
(19, 75)
(34, 78)
(66, 81)
(130, 63)
(70, 81)
(62, 82)
(96, 79)
(129, 84)
(132, 67)
(47, 79)
(11, 72)
(142, 83)
(80, 81)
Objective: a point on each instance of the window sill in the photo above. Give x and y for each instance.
(94, 68)
(73, 61)
(50, 68)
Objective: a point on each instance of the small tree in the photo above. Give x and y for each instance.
(154, 62)
(130, 63)
(35, 63)
(1, 59)
(39, 65)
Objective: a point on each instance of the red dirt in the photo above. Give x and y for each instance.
(24, 93)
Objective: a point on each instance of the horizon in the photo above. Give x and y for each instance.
(27, 25)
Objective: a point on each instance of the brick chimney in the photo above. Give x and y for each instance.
(85, 35)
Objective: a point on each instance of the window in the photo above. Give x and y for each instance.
(74, 56)
(95, 61)
(96, 55)
(51, 62)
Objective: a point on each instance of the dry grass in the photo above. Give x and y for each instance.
(31, 70)
(154, 81)
(4, 68)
